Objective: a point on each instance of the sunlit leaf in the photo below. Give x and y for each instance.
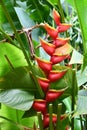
(15, 56)
(76, 58)
(81, 8)
(82, 77)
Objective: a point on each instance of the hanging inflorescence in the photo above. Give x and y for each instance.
(58, 50)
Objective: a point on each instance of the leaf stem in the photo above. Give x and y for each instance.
(81, 122)
(50, 116)
(40, 120)
(74, 84)
(9, 62)
(58, 124)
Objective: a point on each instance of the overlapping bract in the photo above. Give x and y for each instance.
(58, 50)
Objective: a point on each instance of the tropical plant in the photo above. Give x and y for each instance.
(43, 65)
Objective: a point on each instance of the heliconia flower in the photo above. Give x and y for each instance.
(63, 27)
(55, 75)
(46, 120)
(67, 128)
(56, 17)
(53, 94)
(46, 66)
(40, 106)
(61, 41)
(63, 50)
(58, 59)
(48, 47)
(44, 83)
(51, 31)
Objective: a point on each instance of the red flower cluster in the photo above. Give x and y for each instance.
(58, 51)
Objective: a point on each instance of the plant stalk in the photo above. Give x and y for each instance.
(81, 122)
(40, 120)
(58, 124)
(74, 84)
(50, 115)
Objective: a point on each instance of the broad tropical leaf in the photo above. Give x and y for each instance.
(82, 77)
(18, 78)
(81, 8)
(81, 103)
(76, 58)
(15, 56)
(17, 99)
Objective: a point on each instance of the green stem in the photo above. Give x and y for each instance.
(50, 116)
(40, 120)
(85, 124)
(81, 122)
(21, 45)
(58, 124)
(61, 11)
(74, 84)
(9, 62)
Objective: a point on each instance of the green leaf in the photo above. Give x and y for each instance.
(76, 58)
(24, 17)
(3, 20)
(81, 103)
(18, 78)
(82, 77)
(39, 12)
(17, 99)
(81, 8)
(11, 114)
(15, 56)
(53, 2)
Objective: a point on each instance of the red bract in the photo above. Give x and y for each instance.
(56, 75)
(48, 47)
(40, 106)
(46, 66)
(67, 128)
(56, 17)
(51, 31)
(58, 59)
(63, 50)
(46, 120)
(61, 41)
(53, 94)
(44, 83)
(63, 27)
